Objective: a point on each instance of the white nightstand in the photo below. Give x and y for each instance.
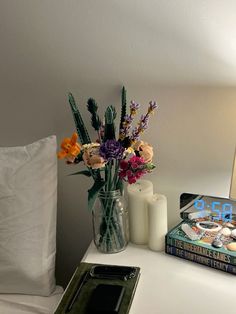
(169, 284)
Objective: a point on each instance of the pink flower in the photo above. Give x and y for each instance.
(132, 169)
(122, 174)
(134, 165)
(124, 164)
(131, 179)
(140, 173)
(136, 159)
(129, 173)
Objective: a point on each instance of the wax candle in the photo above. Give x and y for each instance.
(157, 221)
(138, 193)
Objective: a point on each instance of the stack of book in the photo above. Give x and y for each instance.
(201, 250)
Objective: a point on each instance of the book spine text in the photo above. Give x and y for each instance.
(198, 249)
(200, 259)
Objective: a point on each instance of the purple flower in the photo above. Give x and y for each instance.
(125, 131)
(144, 121)
(152, 105)
(111, 149)
(128, 119)
(134, 105)
(135, 134)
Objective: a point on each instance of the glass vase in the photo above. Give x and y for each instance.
(110, 222)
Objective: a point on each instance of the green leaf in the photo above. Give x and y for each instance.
(150, 166)
(97, 174)
(92, 108)
(110, 116)
(93, 192)
(78, 158)
(87, 173)
(123, 107)
(120, 186)
(81, 129)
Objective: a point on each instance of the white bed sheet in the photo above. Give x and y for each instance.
(30, 304)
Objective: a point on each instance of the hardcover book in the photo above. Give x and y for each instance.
(200, 259)
(207, 233)
(203, 246)
(106, 290)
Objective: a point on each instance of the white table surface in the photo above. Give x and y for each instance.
(169, 284)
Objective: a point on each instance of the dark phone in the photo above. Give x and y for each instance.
(105, 299)
(113, 272)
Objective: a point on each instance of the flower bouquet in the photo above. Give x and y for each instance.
(114, 157)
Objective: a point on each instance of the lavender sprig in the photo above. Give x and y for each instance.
(152, 106)
(128, 119)
(143, 122)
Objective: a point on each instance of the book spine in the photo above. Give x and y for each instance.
(200, 259)
(198, 249)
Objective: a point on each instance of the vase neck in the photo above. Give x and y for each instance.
(110, 194)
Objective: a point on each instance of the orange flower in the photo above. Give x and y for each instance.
(70, 149)
(145, 150)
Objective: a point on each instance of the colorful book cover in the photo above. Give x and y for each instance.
(200, 259)
(82, 278)
(203, 246)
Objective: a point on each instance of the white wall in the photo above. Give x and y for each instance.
(51, 47)
(193, 135)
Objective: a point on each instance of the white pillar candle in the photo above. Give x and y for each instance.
(138, 193)
(157, 220)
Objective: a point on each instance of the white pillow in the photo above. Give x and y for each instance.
(28, 205)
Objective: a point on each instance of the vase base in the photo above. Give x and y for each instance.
(101, 250)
